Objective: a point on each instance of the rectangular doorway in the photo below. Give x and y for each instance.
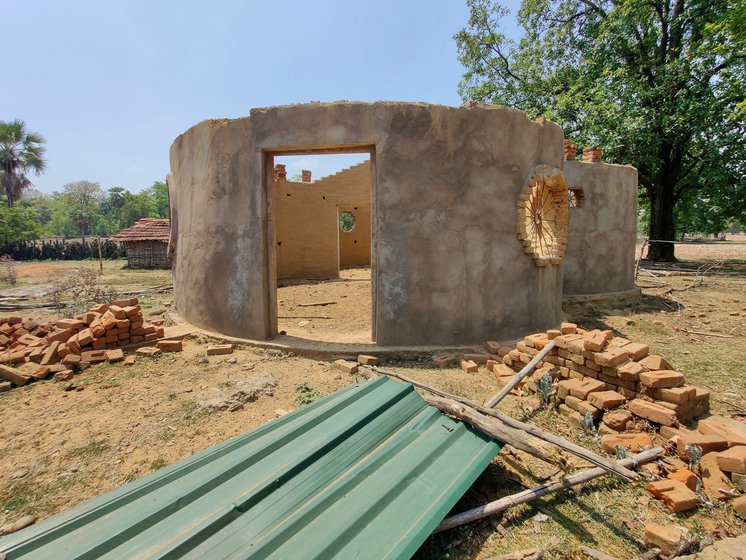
(322, 256)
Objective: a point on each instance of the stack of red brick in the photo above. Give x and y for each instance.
(600, 373)
(38, 350)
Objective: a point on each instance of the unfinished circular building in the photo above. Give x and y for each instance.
(468, 217)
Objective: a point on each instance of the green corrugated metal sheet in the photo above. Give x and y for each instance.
(367, 472)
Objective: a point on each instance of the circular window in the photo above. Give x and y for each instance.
(346, 222)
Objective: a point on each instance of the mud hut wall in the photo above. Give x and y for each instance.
(600, 256)
(309, 243)
(147, 254)
(448, 266)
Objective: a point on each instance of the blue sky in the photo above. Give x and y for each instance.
(111, 84)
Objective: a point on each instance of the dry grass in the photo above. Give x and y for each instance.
(130, 421)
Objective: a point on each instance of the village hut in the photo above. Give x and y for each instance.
(146, 243)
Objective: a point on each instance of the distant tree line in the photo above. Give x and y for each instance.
(80, 209)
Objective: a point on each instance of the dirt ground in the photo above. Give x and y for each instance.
(62, 447)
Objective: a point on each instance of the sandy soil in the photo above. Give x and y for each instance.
(62, 447)
(347, 320)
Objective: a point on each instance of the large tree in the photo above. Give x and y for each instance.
(21, 153)
(659, 84)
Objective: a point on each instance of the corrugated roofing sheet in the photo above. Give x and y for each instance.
(367, 472)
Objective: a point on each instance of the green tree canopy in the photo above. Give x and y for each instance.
(21, 153)
(659, 84)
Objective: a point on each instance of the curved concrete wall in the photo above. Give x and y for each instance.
(447, 264)
(600, 255)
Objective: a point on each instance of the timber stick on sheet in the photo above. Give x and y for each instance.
(538, 491)
(494, 401)
(608, 464)
(495, 429)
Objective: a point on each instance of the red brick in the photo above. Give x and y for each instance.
(713, 479)
(653, 412)
(71, 359)
(582, 406)
(634, 442)
(636, 350)
(85, 337)
(666, 538)
(739, 506)
(733, 460)
(568, 328)
(123, 324)
(618, 419)
(655, 362)
(74, 324)
(117, 311)
(220, 349)
(606, 400)
(170, 345)
(469, 366)
(114, 355)
(612, 356)
(677, 395)
(661, 379)
(137, 339)
(368, 360)
(129, 361)
(444, 360)
(573, 416)
(159, 332)
(152, 352)
(565, 339)
(100, 308)
(732, 430)
(553, 333)
(585, 387)
(347, 367)
(630, 371)
(595, 343)
(674, 494)
(126, 302)
(64, 375)
(686, 476)
(492, 347)
(132, 310)
(108, 320)
(151, 337)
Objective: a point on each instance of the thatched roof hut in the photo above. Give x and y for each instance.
(146, 243)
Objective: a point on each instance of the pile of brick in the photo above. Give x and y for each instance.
(612, 378)
(618, 383)
(37, 351)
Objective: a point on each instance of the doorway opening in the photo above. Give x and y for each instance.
(321, 231)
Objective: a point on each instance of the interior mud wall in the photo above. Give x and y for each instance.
(447, 264)
(308, 240)
(600, 256)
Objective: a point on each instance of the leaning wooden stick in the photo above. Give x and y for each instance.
(562, 443)
(493, 402)
(495, 429)
(537, 492)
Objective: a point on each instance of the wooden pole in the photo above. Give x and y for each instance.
(612, 466)
(495, 429)
(493, 402)
(100, 259)
(538, 491)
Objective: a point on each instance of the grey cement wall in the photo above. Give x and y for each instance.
(447, 265)
(600, 255)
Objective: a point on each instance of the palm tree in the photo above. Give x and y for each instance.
(21, 152)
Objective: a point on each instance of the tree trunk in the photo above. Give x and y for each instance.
(661, 224)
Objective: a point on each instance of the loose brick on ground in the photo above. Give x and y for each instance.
(732, 430)
(707, 443)
(674, 494)
(713, 479)
(148, 351)
(733, 460)
(170, 345)
(114, 355)
(469, 366)
(444, 360)
(219, 349)
(346, 366)
(739, 506)
(634, 442)
(666, 538)
(686, 476)
(368, 360)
